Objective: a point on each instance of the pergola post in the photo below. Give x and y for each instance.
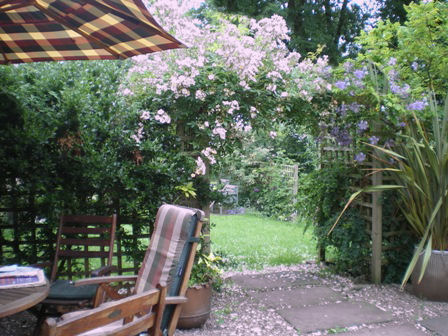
(377, 228)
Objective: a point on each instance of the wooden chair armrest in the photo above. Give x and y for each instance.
(102, 271)
(97, 317)
(175, 299)
(101, 280)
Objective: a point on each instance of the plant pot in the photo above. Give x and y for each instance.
(196, 310)
(434, 284)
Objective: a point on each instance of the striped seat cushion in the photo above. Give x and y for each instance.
(172, 230)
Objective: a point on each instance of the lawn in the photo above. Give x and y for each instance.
(253, 241)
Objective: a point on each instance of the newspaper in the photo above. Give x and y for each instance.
(14, 276)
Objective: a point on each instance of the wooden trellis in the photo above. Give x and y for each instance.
(369, 203)
(292, 172)
(24, 239)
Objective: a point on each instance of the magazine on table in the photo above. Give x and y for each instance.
(14, 276)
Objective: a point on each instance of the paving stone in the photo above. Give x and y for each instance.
(298, 297)
(274, 280)
(402, 330)
(438, 325)
(334, 315)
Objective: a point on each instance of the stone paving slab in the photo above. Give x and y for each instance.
(334, 315)
(298, 297)
(402, 330)
(438, 325)
(274, 280)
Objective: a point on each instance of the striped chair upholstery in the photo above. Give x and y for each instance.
(163, 260)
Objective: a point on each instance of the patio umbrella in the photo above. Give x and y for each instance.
(57, 30)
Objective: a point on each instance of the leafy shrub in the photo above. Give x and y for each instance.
(399, 246)
(322, 194)
(377, 95)
(351, 244)
(258, 168)
(68, 149)
(263, 184)
(271, 192)
(418, 46)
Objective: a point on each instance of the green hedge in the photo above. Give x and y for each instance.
(66, 147)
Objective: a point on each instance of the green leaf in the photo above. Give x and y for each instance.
(426, 257)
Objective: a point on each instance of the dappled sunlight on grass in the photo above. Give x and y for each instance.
(253, 241)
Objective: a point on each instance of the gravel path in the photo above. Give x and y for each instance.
(236, 313)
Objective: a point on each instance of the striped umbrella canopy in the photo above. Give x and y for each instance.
(58, 30)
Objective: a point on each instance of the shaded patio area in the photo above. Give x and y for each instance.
(306, 300)
(303, 300)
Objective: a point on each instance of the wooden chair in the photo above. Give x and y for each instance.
(147, 307)
(168, 260)
(83, 242)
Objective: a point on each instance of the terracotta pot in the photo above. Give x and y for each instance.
(434, 284)
(196, 310)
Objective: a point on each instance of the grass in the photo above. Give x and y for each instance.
(253, 241)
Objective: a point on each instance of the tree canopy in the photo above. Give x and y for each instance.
(330, 23)
(393, 10)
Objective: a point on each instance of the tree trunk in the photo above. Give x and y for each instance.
(338, 31)
(328, 16)
(295, 16)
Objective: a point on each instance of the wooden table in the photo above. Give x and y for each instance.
(14, 300)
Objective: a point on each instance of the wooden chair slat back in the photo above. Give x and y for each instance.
(90, 242)
(83, 243)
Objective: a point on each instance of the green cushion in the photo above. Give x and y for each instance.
(64, 290)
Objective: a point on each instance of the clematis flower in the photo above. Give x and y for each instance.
(389, 143)
(360, 157)
(355, 107)
(341, 85)
(360, 74)
(348, 66)
(418, 105)
(363, 125)
(392, 61)
(373, 140)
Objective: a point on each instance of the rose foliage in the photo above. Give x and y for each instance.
(237, 76)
